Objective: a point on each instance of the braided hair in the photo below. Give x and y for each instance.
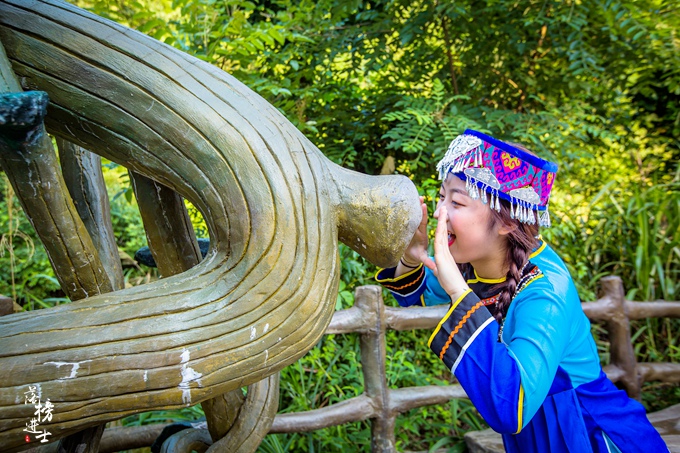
(520, 242)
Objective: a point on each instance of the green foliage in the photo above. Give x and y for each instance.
(328, 374)
(190, 414)
(354, 271)
(641, 243)
(422, 125)
(25, 272)
(277, 443)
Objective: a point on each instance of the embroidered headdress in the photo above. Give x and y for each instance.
(493, 169)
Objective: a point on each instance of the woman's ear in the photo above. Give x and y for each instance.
(507, 228)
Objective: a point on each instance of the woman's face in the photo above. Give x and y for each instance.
(473, 238)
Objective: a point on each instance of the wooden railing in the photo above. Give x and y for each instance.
(370, 318)
(616, 312)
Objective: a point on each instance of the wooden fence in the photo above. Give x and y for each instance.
(370, 318)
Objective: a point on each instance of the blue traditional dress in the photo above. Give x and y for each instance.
(536, 379)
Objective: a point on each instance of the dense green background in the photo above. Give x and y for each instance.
(383, 86)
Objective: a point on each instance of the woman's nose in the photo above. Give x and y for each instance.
(437, 211)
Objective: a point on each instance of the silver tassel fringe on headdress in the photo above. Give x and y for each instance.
(482, 160)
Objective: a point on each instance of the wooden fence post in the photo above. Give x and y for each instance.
(618, 325)
(6, 305)
(369, 300)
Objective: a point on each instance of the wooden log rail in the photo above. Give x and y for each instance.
(616, 312)
(370, 318)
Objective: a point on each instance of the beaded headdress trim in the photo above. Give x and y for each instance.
(493, 169)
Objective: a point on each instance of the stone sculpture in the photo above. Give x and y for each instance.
(274, 205)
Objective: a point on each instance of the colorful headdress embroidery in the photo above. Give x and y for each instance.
(493, 169)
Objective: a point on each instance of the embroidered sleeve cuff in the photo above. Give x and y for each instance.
(466, 317)
(407, 288)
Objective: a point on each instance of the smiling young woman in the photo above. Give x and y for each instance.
(515, 335)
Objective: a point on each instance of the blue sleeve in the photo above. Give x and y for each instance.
(507, 382)
(434, 294)
(417, 287)
(408, 288)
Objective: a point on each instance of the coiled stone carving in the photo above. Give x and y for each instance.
(274, 205)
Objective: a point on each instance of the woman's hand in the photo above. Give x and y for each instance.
(416, 252)
(444, 266)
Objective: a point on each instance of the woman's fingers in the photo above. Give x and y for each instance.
(441, 237)
(429, 263)
(420, 236)
(417, 249)
(422, 228)
(423, 206)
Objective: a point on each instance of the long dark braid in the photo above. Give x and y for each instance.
(520, 242)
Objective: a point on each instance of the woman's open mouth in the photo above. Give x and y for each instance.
(452, 238)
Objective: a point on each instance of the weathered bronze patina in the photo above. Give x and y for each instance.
(236, 424)
(274, 206)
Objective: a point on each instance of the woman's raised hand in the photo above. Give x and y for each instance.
(416, 252)
(446, 270)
